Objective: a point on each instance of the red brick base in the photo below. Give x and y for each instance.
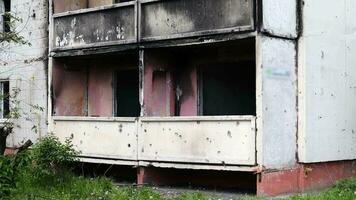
(304, 177)
(9, 151)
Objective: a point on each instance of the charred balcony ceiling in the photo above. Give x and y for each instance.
(149, 22)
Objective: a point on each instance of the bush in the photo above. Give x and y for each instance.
(6, 175)
(11, 168)
(51, 156)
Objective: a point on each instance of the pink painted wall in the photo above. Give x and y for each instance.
(100, 92)
(69, 88)
(189, 85)
(91, 78)
(163, 71)
(158, 85)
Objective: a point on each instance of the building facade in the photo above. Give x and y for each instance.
(23, 68)
(259, 93)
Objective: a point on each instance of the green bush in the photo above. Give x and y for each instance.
(51, 157)
(11, 168)
(6, 175)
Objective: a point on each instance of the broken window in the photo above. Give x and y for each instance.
(5, 7)
(4, 99)
(127, 93)
(227, 89)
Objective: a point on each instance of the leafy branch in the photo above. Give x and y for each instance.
(11, 35)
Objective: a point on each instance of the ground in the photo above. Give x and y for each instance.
(69, 186)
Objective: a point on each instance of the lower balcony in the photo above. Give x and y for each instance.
(202, 142)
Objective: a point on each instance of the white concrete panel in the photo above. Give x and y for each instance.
(26, 66)
(280, 17)
(278, 118)
(114, 138)
(327, 82)
(209, 140)
(2, 10)
(199, 166)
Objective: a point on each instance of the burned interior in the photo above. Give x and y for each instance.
(153, 83)
(205, 80)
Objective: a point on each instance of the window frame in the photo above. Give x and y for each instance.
(4, 98)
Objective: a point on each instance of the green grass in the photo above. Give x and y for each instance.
(343, 190)
(68, 186)
(43, 174)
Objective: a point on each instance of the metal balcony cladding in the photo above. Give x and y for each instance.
(83, 24)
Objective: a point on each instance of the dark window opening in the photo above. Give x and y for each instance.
(127, 94)
(6, 16)
(228, 89)
(5, 99)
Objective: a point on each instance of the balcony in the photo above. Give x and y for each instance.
(203, 142)
(137, 22)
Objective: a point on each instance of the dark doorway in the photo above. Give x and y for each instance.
(228, 89)
(127, 94)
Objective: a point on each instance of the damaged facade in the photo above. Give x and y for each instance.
(258, 93)
(23, 69)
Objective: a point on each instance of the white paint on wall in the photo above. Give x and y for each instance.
(278, 114)
(280, 17)
(105, 138)
(327, 81)
(2, 10)
(25, 67)
(217, 140)
(213, 141)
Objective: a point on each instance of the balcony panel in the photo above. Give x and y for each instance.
(191, 142)
(114, 138)
(95, 27)
(184, 18)
(200, 140)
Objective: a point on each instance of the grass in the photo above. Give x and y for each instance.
(343, 190)
(68, 186)
(43, 174)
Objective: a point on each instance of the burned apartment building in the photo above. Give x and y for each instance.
(244, 94)
(23, 68)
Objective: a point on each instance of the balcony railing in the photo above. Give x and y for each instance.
(150, 20)
(219, 141)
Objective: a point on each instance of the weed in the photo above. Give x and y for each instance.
(51, 156)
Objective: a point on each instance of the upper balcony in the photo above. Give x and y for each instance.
(90, 23)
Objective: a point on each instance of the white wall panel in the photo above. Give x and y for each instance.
(280, 17)
(327, 82)
(277, 118)
(100, 137)
(225, 140)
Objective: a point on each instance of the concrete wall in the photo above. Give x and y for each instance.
(277, 84)
(26, 66)
(277, 113)
(2, 10)
(279, 18)
(327, 81)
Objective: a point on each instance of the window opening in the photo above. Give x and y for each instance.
(127, 93)
(6, 16)
(227, 89)
(4, 99)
